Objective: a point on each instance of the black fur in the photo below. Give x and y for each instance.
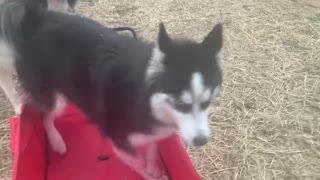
(94, 67)
(133, 32)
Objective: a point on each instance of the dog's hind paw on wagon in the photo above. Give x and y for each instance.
(57, 143)
(145, 165)
(154, 175)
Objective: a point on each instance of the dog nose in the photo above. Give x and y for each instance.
(200, 141)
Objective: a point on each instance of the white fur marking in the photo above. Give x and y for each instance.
(186, 97)
(191, 125)
(160, 106)
(194, 123)
(197, 85)
(155, 65)
(162, 111)
(55, 139)
(206, 95)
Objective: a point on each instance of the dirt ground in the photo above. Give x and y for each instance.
(266, 125)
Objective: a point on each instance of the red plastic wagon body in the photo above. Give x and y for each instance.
(34, 160)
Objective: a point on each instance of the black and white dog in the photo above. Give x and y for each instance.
(136, 93)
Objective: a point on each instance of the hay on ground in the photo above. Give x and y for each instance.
(266, 124)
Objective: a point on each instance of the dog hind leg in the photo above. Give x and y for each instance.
(55, 139)
(151, 162)
(7, 84)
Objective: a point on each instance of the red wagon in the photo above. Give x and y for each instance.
(89, 156)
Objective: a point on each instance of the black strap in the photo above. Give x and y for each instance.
(126, 29)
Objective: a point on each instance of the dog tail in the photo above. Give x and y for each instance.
(17, 17)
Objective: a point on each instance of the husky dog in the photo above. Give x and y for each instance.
(135, 93)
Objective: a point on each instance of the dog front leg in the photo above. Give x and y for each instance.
(136, 162)
(151, 162)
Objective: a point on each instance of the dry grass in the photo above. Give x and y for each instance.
(266, 125)
(5, 155)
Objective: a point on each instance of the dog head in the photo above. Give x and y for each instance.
(186, 77)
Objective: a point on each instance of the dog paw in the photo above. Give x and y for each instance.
(17, 109)
(153, 170)
(150, 177)
(164, 177)
(57, 144)
(60, 148)
(155, 173)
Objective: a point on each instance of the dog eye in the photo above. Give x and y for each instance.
(184, 107)
(205, 105)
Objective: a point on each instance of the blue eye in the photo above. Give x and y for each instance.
(205, 105)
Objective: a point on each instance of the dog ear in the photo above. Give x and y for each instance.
(212, 43)
(164, 41)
